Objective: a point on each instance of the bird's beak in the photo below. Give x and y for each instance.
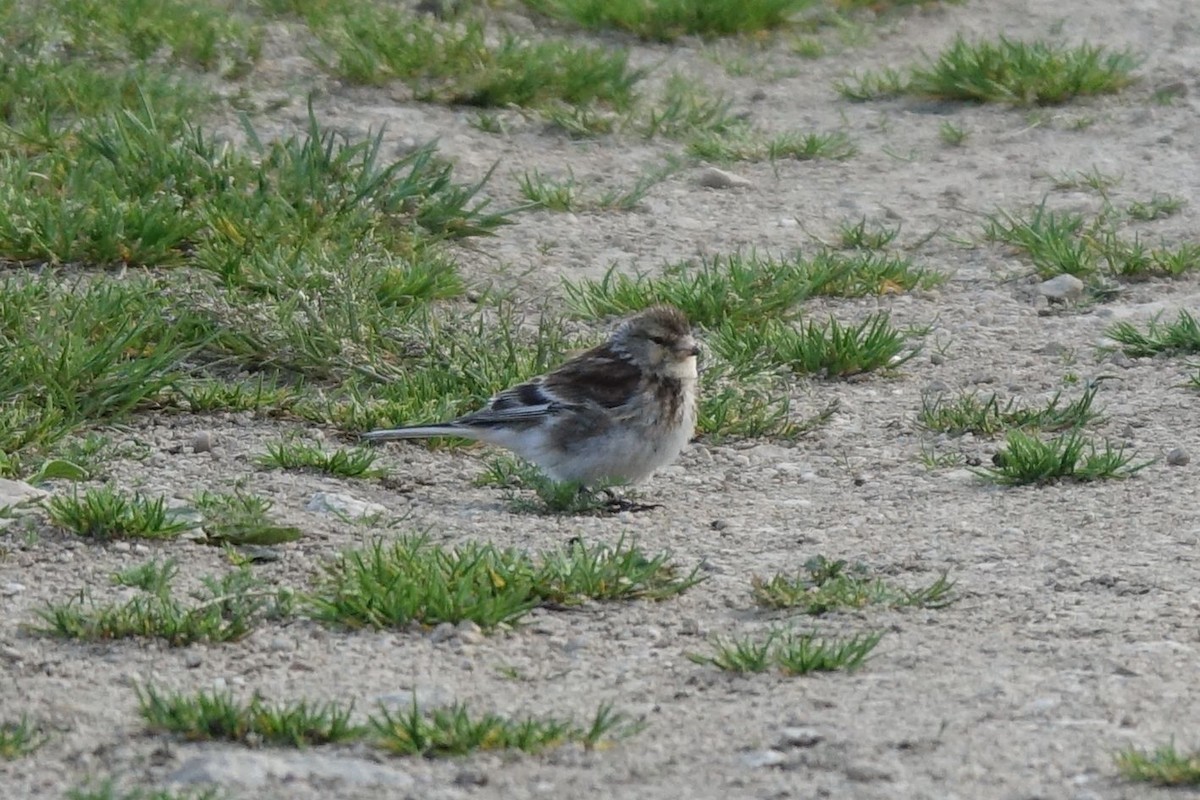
(688, 349)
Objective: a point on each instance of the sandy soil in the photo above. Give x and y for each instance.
(1075, 631)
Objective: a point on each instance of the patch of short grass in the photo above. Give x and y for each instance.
(686, 109)
(1182, 336)
(1164, 766)
(462, 64)
(412, 580)
(790, 652)
(734, 404)
(85, 354)
(550, 193)
(263, 394)
(19, 738)
(108, 791)
(1160, 206)
(241, 519)
(953, 135)
(552, 497)
(1052, 239)
(294, 454)
(195, 32)
(1131, 259)
(455, 731)
(986, 416)
(667, 20)
(157, 191)
(825, 585)
(861, 236)
(830, 350)
(227, 609)
(105, 514)
(217, 716)
(1065, 242)
(1027, 459)
(748, 287)
(566, 194)
(747, 144)
(1003, 71)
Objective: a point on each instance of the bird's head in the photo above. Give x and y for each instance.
(660, 339)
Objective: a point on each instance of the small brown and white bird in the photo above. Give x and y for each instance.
(612, 414)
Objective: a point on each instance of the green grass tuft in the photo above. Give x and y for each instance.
(107, 791)
(227, 610)
(667, 20)
(1180, 336)
(1005, 71)
(19, 738)
(463, 64)
(1165, 766)
(790, 652)
(454, 731)
(746, 144)
(825, 586)
(105, 514)
(239, 519)
(355, 463)
(1027, 459)
(216, 716)
(830, 350)
(969, 413)
(415, 581)
(747, 287)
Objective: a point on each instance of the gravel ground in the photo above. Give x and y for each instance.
(1074, 634)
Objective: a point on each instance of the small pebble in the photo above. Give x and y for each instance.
(202, 442)
(281, 644)
(469, 632)
(12, 589)
(1178, 457)
(713, 178)
(443, 632)
(192, 660)
(799, 737)
(471, 777)
(1061, 289)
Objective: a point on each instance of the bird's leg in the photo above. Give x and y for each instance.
(615, 503)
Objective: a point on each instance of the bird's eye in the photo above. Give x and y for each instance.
(659, 340)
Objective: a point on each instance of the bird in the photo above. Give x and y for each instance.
(611, 415)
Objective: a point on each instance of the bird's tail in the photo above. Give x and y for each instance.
(419, 432)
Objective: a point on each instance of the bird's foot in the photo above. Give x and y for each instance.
(615, 503)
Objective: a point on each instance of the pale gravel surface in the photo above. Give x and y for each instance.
(1075, 633)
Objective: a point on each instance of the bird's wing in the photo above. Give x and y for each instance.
(599, 377)
(525, 402)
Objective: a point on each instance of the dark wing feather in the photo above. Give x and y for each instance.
(600, 376)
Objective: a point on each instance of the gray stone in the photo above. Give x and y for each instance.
(1061, 289)
(250, 770)
(202, 442)
(763, 758)
(343, 505)
(12, 589)
(1178, 457)
(442, 632)
(713, 178)
(16, 493)
(799, 737)
(469, 632)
